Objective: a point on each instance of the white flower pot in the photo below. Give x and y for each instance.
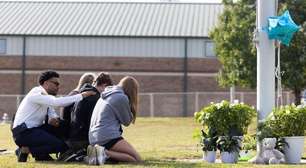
(229, 157)
(293, 153)
(209, 156)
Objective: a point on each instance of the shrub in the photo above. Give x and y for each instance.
(225, 118)
(285, 121)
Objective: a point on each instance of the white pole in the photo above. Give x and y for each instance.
(265, 61)
(265, 65)
(232, 93)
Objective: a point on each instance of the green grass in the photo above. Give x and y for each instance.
(162, 142)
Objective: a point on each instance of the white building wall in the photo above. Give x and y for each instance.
(108, 47)
(13, 45)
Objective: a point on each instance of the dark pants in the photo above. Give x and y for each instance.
(77, 145)
(41, 141)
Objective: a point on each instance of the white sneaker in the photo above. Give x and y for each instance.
(92, 155)
(101, 155)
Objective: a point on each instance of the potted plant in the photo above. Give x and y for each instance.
(288, 125)
(229, 147)
(291, 125)
(209, 146)
(227, 119)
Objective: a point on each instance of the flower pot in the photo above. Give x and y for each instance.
(209, 156)
(293, 153)
(229, 157)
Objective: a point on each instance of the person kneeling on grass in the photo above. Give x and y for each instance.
(80, 116)
(118, 105)
(30, 131)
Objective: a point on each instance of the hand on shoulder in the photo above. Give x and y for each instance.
(88, 93)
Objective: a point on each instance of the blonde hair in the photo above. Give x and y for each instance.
(85, 78)
(130, 87)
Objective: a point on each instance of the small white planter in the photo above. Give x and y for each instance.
(293, 153)
(229, 157)
(209, 156)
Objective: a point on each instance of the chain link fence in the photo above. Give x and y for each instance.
(162, 104)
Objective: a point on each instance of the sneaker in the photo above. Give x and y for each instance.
(101, 155)
(66, 156)
(21, 157)
(92, 155)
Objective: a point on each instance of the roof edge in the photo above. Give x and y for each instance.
(110, 2)
(99, 36)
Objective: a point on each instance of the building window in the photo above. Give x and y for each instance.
(209, 49)
(2, 46)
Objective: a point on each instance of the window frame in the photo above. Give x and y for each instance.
(206, 43)
(4, 42)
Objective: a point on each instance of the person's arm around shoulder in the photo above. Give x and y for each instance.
(88, 93)
(50, 100)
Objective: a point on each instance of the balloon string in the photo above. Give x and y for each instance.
(276, 7)
(278, 74)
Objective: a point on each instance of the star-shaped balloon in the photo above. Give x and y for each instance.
(282, 28)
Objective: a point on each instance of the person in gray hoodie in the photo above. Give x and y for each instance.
(117, 106)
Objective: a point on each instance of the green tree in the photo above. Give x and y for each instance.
(293, 58)
(235, 50)
(233, 44)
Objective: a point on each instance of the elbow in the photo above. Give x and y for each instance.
(126, 124)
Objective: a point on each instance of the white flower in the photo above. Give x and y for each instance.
(299, 107)
(219, 105)
(207, 116)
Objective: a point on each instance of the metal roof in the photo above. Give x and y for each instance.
(108, 18)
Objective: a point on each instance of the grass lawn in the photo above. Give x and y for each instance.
(162, 142)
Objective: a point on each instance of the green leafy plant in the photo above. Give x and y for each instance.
(229, 144)
(285, 121)
(225, 118)
(208, 141)
(249, 142)
(291, 120)
(267, 129)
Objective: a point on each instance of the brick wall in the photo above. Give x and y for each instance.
(159, 76)
(110, 64)
(158, 82)
(11, 83)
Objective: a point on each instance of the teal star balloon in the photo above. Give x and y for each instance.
(282, 28)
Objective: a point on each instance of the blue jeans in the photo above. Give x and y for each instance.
(41, 141)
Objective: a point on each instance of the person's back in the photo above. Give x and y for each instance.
(82, 112)
(115, 110)
(65, 113)
(81, 115)
(117, 106)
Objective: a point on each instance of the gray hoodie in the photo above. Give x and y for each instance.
(111, 110)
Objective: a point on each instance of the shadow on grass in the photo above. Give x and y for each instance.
(146, 163)
(168, 163)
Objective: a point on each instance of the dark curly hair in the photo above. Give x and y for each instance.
(103, 78)
(46, 75)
